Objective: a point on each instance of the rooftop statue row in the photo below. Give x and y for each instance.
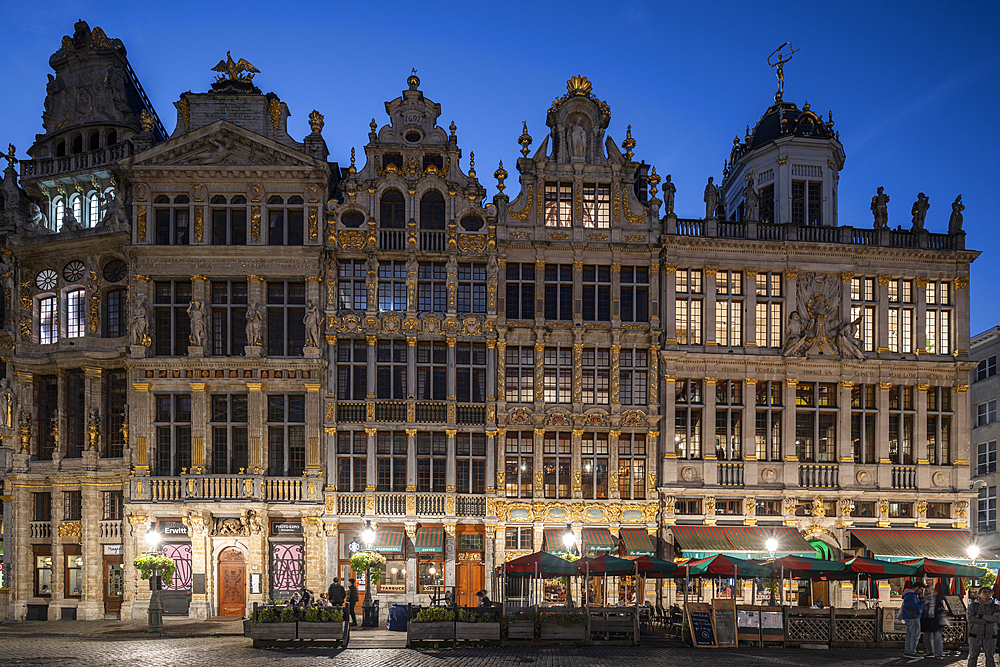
(880, 209)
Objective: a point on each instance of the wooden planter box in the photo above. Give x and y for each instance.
(613, 624)
(575, 633)
(443, 630)
(321, 630)
(273, 631)
(520, 630)
(489, 632)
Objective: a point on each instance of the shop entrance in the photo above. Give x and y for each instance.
(114, 584)
(232, 582)
(469, 578)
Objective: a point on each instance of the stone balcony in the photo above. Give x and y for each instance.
(67, 164)
(411, 504)
(199, 488)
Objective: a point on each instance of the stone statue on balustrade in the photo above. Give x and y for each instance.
(955, 222)
(919, 212)
(669, 190)
(577, 141)
(711, 198)
(749, 201)
(880, 209)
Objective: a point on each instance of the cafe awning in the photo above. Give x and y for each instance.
(552, 541)
(899, 544)
(636, 541)
(430, 539)
(390, 539)
(598, 539)
(740, 541)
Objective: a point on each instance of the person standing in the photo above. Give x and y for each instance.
(982, 618)
(930, 623)
(911, 611)
(336, 593)
(352, 600)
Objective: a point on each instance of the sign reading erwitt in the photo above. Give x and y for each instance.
(172, 528)
(286, 527)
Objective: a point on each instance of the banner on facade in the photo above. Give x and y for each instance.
(172, 528)
(286, 527)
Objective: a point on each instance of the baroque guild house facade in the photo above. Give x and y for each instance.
(220, 337)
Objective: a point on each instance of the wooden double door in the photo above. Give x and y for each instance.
(469, 577)
(232, 582)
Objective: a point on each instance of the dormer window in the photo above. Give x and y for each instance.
(435, 160)
(597, 205)
(807, 198)
(558, 204)
(394, 160)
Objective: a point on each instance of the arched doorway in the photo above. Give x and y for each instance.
(820, 590)
(232, 582)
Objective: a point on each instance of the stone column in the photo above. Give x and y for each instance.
(199, 524)
(920, 323)
(709, 315)
(577, 292)
(616, 282)
(668, 444)
(654, 294)
(314, 426)
(578, 373)
(577, 448)
(844, 453)
(491, 381)
(449, 475)
(537, 486)
(200, 414)
(616, 350)
(539, 370)
(58, 557)
(411, 559)
(91, 605)
(489, 556)
(255, 408)
(539, 290)
(371, 378)
(749, 426)
(920, 454)
(669, 297)
(140, 427)
(411, 462)
(449, 554)
(372, 472)
(332, 552)
(960, 321)
(491, 461)
(711, 465)
(452, 379)
(315, 554)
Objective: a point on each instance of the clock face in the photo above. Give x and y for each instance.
(115, 270)
(46, 279)
(74, 271)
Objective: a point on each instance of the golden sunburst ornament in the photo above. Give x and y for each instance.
(578, 85)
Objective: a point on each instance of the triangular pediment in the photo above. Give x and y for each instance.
(222, 145)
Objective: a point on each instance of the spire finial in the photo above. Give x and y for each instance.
(452, 128)
(353, 169)
(628, 144)
(653, 179)
(11, 160)
(373, 125)
(777, 60)
(524, 139)
(472, 164)
(500, 174)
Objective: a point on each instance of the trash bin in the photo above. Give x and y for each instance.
(398, 618)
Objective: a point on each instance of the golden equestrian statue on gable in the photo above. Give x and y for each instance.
(239, 70)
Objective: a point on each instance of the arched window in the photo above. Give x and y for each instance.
(472, 223)
(58, 210)
(173, 223)
(352, 220)
(75, 313)
(116, 314)
(285, 221)
(78, 144)
(61, 149)
(393, 210)
(112, 138)
(95, 141)
(432, 211)
(94, 212)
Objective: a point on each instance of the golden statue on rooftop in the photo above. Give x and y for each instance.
(240, 70)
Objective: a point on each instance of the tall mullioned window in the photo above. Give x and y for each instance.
(432, 287)
(519, 463)
(76, 313)
(902, 418)
(689, 304)
(557, 464)
(114, 407)
(632, 465)
(75, 414)
(596, 205)
(864, 307)
(938, 317)
(229, 318)
(634, 377)
(689, 405)
(286, 331)
(816, 421)
(173, 326)
(470, 463)
(634, 292)
(901, 314)
(520, 300)
(229, 222)
(172, 224)
(391, 285)
(352, 461)
(765, 201)
(286, 434)
(939, 418)
(596, 364)
(471, 290)
(390, 461)
(432, 461)
(807, 199)
(864, 416)
(559, 292)
(519, 373)
(729, 308)
(352, 285)
(470, 372)
(558, 375)
(229, 425)
(391, 359)
(285, 221)
(596, 293)
(432, 371)
(48, 320)
(173, 433)
(595, 465)
(769, 402)
(352, 369)
(558, 204)
(729, 420)
(770, 305)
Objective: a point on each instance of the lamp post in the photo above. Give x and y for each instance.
(569, 541)
(973, 552)
(154, 615)
(772, 546)
(368, 537)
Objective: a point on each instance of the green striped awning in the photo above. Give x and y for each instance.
(739, 541)
(598, 539)
(390, 539)
(636, 542)
(430, 539)
(552, 541)
(919, 543)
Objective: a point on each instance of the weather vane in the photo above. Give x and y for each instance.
(779, 62)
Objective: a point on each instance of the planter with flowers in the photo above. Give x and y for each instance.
(432, 624)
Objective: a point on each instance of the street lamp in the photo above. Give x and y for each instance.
(368, 536)
(569, 541)
(772, 546)
(973, 552)
(154, 615)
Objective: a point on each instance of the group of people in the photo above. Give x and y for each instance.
(336, 596)
(924, 611)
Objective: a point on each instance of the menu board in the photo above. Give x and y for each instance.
(955, 605)
(772, 624)
(699, 617)
(748, 623)
(725, 622)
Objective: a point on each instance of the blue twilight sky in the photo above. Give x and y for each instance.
(913, 85)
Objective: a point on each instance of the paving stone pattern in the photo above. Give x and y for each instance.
(84, 652)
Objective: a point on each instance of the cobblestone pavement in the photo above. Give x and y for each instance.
(85, 652)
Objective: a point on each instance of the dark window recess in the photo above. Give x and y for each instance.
(432, 211)
(393, 209)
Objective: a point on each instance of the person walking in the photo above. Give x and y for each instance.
(911, 611)
(352, 600)
(336, 593)
(982, 619)
(931, 622)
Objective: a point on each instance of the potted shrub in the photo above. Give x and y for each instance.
(434, 623)
(521, 625)
(273, 623)
(477, 626)
(562, 625)
(319, 623)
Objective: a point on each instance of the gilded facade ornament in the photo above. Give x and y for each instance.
(255, 223)
(961, 283)
(500, 174)
(184, 109)
(199, 223)
(95, 303)
(628, 144)
(70, 529)
(274, 109)
(316, 122)
(524, 140)
(239, 70)
(147, 120)
(141, 221)
(313, 224)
